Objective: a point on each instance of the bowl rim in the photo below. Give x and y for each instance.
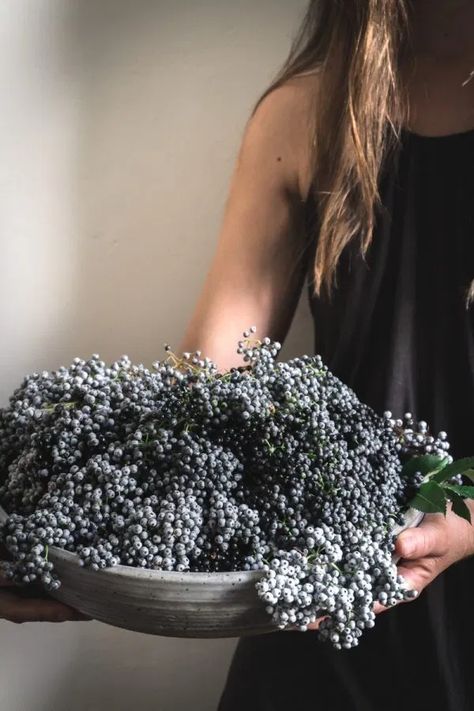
(412, 519)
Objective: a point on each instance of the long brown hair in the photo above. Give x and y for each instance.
(356, 48)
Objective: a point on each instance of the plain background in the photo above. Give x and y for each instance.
(119, 128)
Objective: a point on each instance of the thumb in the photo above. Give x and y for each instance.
(428, 540)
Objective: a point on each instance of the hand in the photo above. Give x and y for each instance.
(315, 625)
(432, 547)
(18, 605)
(427, 550)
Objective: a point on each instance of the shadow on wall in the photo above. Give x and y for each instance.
(165, 91)
(88, 666)
(125, 670)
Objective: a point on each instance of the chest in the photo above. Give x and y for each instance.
(440, 95)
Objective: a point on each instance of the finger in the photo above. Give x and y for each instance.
(312, 626)
(418, 574)
(315, 625)
(19, 610)
(428, 540)
(378, 608)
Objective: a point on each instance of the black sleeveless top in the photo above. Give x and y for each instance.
(399, 332)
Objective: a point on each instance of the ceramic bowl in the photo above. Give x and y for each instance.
(167, 603)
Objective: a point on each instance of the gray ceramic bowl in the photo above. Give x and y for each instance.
(167, 603)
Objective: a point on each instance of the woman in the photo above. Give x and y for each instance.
(356, 172)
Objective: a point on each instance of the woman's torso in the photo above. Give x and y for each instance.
(399, 332)
(399, 329)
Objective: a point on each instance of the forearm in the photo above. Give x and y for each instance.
(223, 312)
(215, 331)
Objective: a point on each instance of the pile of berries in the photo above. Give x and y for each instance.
(271, 466)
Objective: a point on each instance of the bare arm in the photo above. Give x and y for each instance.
(258, 268)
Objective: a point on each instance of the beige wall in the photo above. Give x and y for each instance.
(119, 126)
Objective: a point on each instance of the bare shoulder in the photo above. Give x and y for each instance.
(281, 126)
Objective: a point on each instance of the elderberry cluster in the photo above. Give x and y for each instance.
(271, 466)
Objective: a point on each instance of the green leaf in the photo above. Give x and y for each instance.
(459, 507)
(460, 466)
(469, 474)
(426, 464)
(467, 492)
(431, 498)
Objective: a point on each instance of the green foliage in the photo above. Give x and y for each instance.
(467, 492)
(438, 487)
(460, 466)
(427, 464)
(459, 507)
(431, 498)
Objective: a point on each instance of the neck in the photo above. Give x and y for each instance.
(443, 27)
